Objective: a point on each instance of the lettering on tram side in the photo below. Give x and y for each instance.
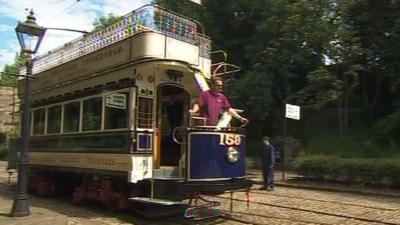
(151, 79)
(64, 68)
(100, 161)
(102, 55)
(67, 72)
(83, 160)
(138, 76)
(69, 159)
(230, 139)
(42, 158)
(81, 67)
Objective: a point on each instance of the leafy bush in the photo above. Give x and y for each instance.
(366, 171)
(253, 163)
(254, 147)
(387, 129)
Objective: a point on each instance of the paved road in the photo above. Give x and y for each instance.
(300, 206)
(285, 205)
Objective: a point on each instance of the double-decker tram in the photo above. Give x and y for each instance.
(109, 117)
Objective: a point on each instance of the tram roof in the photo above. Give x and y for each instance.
(147, 18)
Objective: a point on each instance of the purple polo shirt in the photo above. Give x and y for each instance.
(212, 105)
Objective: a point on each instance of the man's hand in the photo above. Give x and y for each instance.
(191, 112)
(194, 110)
(243, 120)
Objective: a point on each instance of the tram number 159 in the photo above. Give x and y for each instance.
(230, 139)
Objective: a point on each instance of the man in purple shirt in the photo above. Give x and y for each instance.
(213, 103)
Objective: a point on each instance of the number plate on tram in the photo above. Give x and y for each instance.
(230, 139)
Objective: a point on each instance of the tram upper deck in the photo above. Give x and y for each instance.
(149, 32)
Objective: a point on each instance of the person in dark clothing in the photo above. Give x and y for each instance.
(268, 162)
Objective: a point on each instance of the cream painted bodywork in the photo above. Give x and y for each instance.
(138, 166)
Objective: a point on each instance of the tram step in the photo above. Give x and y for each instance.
(157, 201)
(166, 172)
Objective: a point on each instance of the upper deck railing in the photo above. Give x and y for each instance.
(146, 18)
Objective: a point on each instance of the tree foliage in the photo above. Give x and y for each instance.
(9, 77)
(105, 21)
(323, 55)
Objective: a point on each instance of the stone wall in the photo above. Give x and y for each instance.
(8, 105)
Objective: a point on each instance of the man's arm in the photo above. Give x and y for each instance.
(273, 160)
(199, 104)
(237, 116)
(195, 109)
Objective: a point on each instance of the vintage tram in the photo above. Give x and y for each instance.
(109, 117)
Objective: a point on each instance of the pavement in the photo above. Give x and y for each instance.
(40, 215)
(292, 180)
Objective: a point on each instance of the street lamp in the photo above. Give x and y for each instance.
(29, 36)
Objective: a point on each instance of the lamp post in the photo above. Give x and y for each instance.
(29, 36)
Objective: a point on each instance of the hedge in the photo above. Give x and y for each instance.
(366, 171)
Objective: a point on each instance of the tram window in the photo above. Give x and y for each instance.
(39, 117)
(92, 114)
(54, 119)
(145, 112)
(116, 110)
(71, 117)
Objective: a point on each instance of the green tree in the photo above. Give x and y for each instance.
(377, 25)
(288, 47)
(276, 42)
(105, 21)
(282, 47)
(8, 78)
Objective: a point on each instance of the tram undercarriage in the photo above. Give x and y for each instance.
(150, 198)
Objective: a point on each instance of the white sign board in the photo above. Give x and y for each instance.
(196, 1)
(116, 101)
(292, 112)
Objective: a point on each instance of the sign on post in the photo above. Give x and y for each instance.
(292, 112)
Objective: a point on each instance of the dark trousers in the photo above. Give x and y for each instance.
(268, 176)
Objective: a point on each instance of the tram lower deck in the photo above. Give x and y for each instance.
(109, 117)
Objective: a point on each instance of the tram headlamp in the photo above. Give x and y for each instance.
(233, 154)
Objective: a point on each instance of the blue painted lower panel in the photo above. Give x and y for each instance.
(207, 159)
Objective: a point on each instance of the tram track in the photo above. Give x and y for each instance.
(320, 200)
(229, 216)
(293, 208)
